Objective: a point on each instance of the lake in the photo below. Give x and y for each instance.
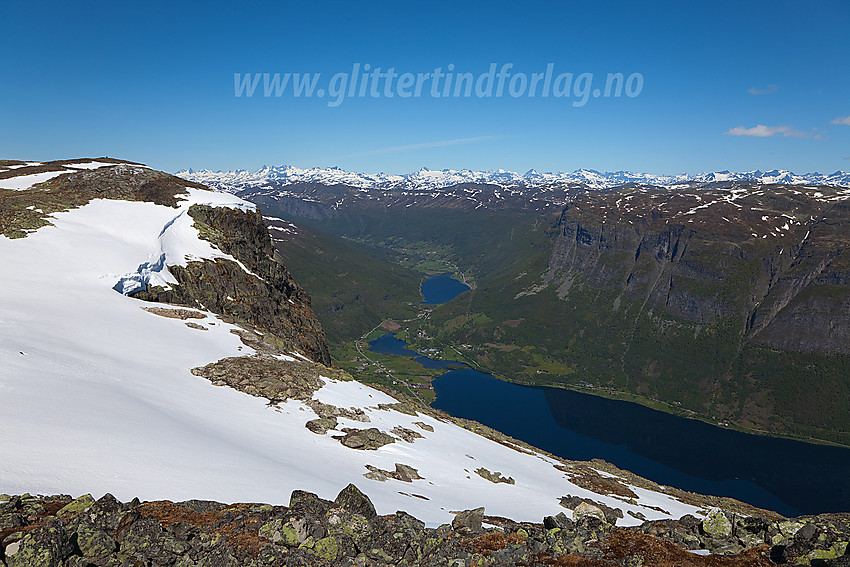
(787, 476)
(441, 288)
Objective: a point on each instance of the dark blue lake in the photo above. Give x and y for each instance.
(388, 344)
(441, 288)
(787, 476)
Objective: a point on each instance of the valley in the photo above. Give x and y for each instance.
(721, 302)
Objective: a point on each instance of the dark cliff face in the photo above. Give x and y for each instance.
(267, 299)
(787, 285)
(734, 304)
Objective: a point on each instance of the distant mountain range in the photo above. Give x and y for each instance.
(425, 178)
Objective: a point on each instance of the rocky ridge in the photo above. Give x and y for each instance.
(60, 531)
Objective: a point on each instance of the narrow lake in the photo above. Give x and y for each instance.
(790, 477)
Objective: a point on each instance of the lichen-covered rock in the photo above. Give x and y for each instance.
(45, 546)
(559, 521)
(716, 524)
(94, 543)
(106, 513)
(81, 504)
(355, 502)
(347, 532)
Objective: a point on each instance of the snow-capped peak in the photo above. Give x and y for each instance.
(435, 179)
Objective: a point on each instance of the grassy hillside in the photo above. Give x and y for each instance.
(352, 291)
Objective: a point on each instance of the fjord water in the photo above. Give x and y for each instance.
(787, 476)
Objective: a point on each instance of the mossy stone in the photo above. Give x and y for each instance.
(81, 504)
(327, 548)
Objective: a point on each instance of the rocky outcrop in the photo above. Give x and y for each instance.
(265, 377)
(58, 531)
(365, 439)
(404, 473)
(265, 297)
(494, 477)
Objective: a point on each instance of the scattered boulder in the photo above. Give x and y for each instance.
(559, 521)
(468, 521)
(355, 502)
(406, 434)
(404, 473)
(716, 524)
(329, 411)
(175, 313)
(585, 509)
(264, 377)
(365, 439)
(494, 477)
(610, 515)
(406, 408)
(321, 425)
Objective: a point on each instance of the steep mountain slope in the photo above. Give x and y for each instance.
(731, 303)
(216, 396)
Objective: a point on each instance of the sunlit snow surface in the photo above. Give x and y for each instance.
(97, 394)
(90, 165)
(26, 181)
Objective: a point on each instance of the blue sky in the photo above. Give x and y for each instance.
(726, 85)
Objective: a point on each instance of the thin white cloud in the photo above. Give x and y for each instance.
(426, 145)
(841, 120)
(769, 90)
(762, 131)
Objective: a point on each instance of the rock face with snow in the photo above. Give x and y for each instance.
(264, 297)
